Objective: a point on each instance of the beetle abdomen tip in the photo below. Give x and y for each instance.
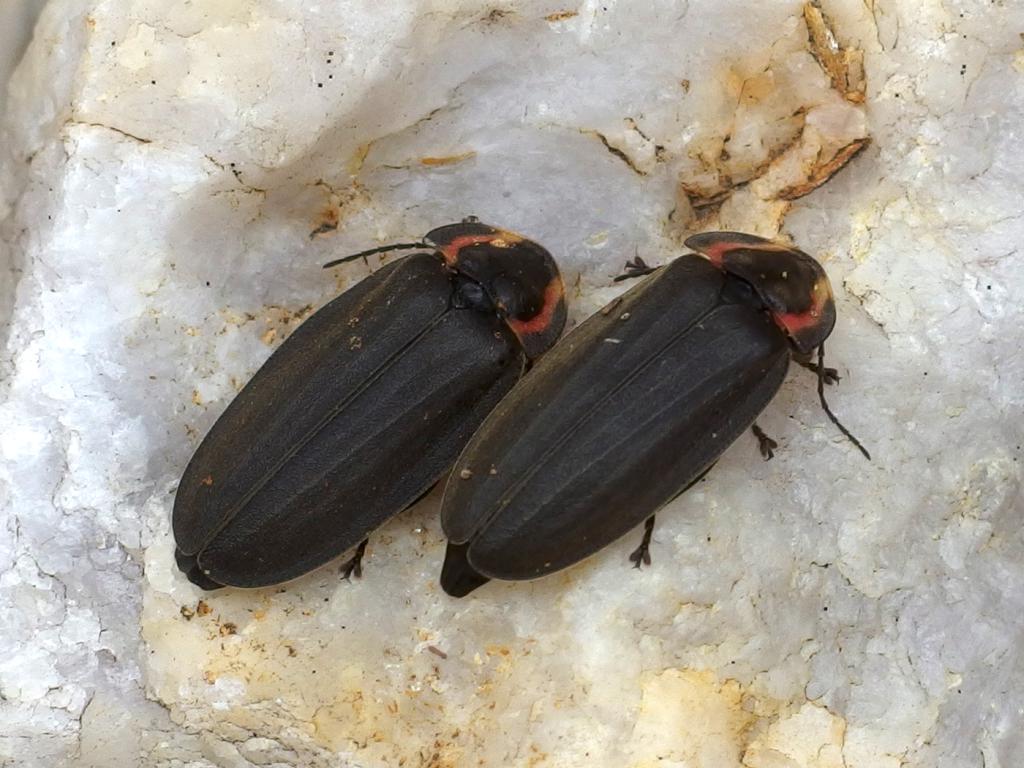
(458, 577)
(189, 565)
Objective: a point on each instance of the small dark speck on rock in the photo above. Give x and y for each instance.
(207, 283)
(319, 85)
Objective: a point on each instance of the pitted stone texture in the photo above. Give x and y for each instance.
(163, 169)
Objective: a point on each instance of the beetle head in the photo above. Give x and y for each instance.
(792, 285)
(519, 279)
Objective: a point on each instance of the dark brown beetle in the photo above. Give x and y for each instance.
(633, 407)
(365, 406)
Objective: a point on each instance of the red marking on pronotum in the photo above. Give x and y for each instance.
(540, 322)
(716, 252)
(794, 322)
(501, 239)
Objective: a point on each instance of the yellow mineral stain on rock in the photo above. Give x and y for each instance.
(340, 202)
(757, 88)
(780, 122)
(689, 717)
(561, 16)
(281, 321)
(845, 66)
(339, 725)
(327, 219)
(355, 163)
(812, 737)
(1018, 61)
(821, 171)
(447, 159)
(379, 717)
(233, 317)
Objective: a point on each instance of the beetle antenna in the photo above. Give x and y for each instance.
(832, 416)
(382, 249)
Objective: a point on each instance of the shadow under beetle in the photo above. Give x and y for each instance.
(364, 407)
(633, 407)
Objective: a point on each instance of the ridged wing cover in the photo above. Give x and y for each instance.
(356, 415)
(613, 423)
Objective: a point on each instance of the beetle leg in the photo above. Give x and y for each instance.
(354, 565)
(764, 443)
(635, 267)
(642, 554)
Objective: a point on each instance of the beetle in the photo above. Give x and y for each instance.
(633, 407)
(363, 408)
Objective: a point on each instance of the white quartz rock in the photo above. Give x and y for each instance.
(172, 174)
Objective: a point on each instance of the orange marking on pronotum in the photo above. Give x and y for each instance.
(716, 252)
(499, 239)
(540, 322)
(794, 322)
